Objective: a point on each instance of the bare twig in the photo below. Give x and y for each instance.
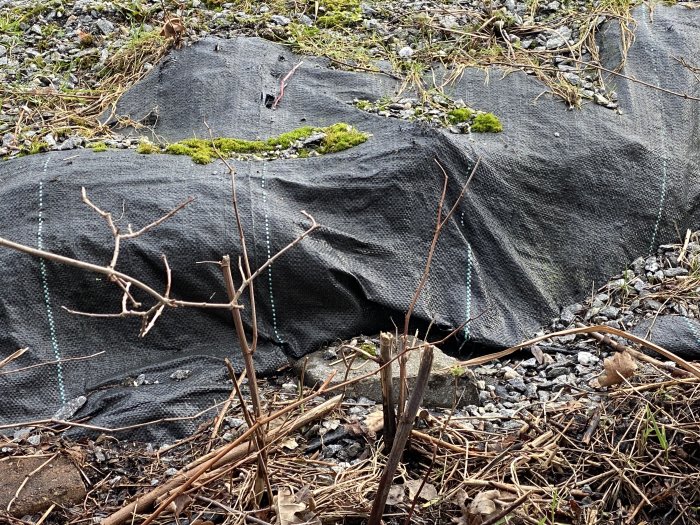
(403, 432)
(283, 84)
(228, 453)
(385, 346)
(694, 370)
(14, 355)
(46, 363)
(111, 272)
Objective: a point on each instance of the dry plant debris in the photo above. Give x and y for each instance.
(635, 458)
(64, 63)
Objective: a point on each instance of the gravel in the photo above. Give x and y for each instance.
(68, 47)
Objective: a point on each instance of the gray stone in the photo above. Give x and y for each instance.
(531, 390)
(105, 26)
(652, 304)
(234, 422)
(651, 264)
(675, 272)
(443, 386)
(587, 358)
(406, 52)
(518, 384)
(640, 286)
(70, 143)
(8, 139)
(69, 409)
(609, 311)
(509, 373)
(600, 99)
(556, 371)
(572, 78)
(638, 265)
(305, 20)
(555, 42)
(179, 375)
(280, 20)
(567, 316)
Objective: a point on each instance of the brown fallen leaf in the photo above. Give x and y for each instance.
(289, 443)
(483, 506)
(375, 421)
(427, 493)
(618, 367)
(173, 28)
(179, 504)
(291, 511)
(397, 493)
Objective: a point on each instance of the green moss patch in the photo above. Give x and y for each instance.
(458, 115)
(146, 147)
(331, 139)
(339, 13)
(486, 123)
(99, 147)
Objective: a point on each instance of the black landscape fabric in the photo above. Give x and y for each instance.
(561, 200)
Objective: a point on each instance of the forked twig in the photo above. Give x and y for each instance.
(283, 84)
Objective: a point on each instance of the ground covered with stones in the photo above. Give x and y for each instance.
(64, 63)
(543, 442)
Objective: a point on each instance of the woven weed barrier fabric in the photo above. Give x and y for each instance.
(561, 200)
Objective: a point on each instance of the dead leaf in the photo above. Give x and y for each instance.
(85, 39)
(397, 493)
(291, 511)
(618, 367)
(459, 498)
(289, 443)
(483, 506)
(179, 504)
(172, 28)
(375, 421)
(330, 424)
(427, 493)
(200, 522)
(537, 353)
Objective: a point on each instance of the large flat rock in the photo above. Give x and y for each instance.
(58, 481)
(445, 387)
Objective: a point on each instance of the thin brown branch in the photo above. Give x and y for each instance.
(403, 432)
(111, 272)
(283, 84)
(314, 226)
(694, 370)
(14, 355)
(46, 363)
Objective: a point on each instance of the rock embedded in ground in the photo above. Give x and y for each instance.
(58, 482)
(444, 386)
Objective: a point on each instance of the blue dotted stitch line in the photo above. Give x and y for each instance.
(661, 208)
(469, 290)
(47, 296)
(269, 256)
(469, 282)
(693, 329)
(664, 174)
